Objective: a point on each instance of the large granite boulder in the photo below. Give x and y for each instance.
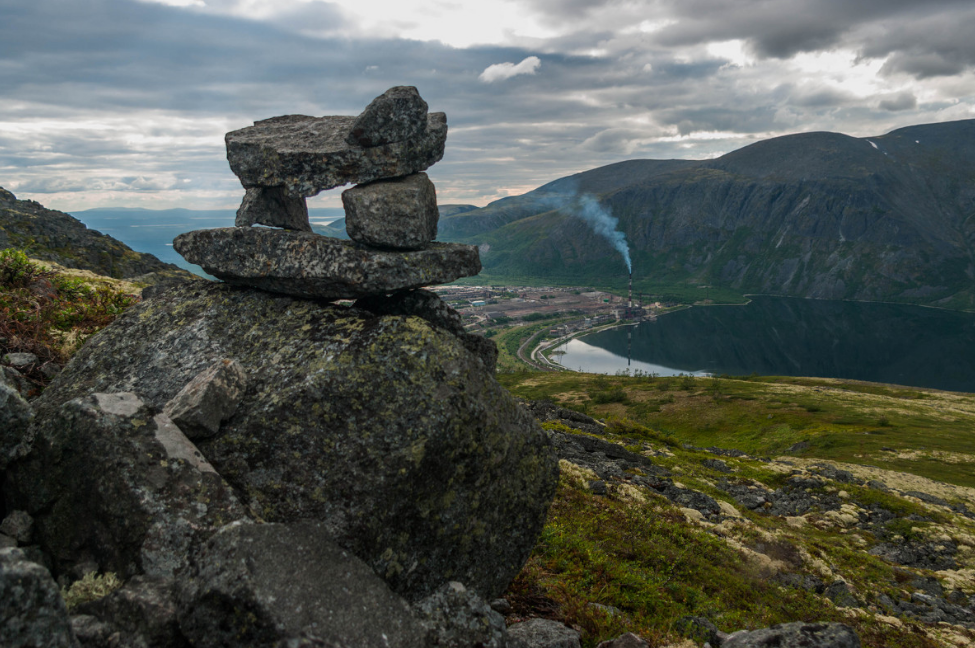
(307, 155)
(112, 484)
(256, 584)
(308, 265)
(384, 427)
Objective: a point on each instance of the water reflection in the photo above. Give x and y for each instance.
(905, 345)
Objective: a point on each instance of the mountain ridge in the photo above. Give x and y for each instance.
(821, 215)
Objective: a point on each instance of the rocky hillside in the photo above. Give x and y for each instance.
(820, 215)
(54, 236)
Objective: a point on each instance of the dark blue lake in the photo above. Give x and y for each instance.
(887, 343)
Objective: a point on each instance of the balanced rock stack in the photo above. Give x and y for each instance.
(391, 215)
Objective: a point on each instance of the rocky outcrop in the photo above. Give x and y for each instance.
(51, 235)
(384, 427)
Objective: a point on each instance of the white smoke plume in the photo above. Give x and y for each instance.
(588, 208)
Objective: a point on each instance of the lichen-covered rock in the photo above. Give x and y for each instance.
(273, 206)
(396, 115)
(306, 155)
(455, 617)
(400, 214)
(254, 584)
(109, 482)
(384, 427)
(208, 400)
(820, 635)
(32, 612)
(309, 265)
(542, 633)
(426, 304)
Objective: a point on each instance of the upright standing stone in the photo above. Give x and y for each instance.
(400, 214)
(273, 206)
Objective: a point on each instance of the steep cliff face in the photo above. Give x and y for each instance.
(814, 215)
(51, 235)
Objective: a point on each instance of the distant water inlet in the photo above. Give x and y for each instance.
(888, 343)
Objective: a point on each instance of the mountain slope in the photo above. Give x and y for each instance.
(819, 215)
(51, 235)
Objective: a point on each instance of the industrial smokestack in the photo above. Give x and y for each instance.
(631, 289)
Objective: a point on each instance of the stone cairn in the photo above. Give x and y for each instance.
(391, 213)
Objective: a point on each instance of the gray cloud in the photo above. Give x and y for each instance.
(169, 82)
(901, 101)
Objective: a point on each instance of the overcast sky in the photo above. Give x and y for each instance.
(125, 102)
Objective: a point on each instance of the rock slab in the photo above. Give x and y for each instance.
(307, 155)
(384, 427)
(308, 265)
(208, 400)
(254, 584)
(542, 633)
(400, 214)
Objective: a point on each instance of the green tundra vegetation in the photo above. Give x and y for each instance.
(629, 561)
(50, 311)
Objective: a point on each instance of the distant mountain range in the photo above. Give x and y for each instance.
(819, 215)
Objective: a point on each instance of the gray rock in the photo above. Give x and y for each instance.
(94, 633)
(7, 541)
(396, 115)
(20, 360)
(273, 206)
(400, 214)
(344, 413)
(306, 155)
(628, 640)
(308, 265)
(208, 400)
(142, 612)
(716, 464)
(104, 486)
(797, 635)
(455, 617)
(501, 606)
(32, 612)
(840, 594)
(425, 304)
(18, 525)
(254, 584)
(542, 633)
(698, 628)
(16, 380)
(15, 417)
